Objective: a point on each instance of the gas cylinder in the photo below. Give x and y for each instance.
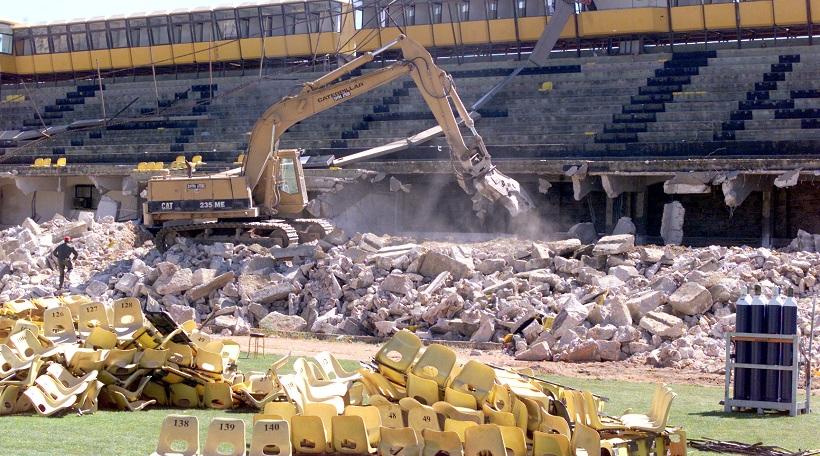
(789, 327)
(758, 349)
(743, 323)
(774, 313)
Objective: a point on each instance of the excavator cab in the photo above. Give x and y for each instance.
(288, 186)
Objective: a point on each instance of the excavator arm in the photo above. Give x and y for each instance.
(470, 159)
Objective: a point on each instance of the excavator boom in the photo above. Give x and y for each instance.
(471, 162)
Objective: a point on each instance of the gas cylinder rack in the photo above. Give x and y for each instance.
(795, 406)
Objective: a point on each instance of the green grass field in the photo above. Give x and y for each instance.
(122, 433)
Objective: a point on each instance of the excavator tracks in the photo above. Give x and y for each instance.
(266, 233)
(312, 229)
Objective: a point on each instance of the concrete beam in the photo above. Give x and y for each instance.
(614, 185)
(787, 179)
(737, 188)
(106, 184)
(689, 183)
(29, 185)
(582, 185)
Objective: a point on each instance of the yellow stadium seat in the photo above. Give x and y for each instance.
(179, 435)
(61, 162)
(350, 436)
(8, 397)
(208, 361)
(325, 412)
(424, 390)
(484, 440)
(128, 317)
(419, 416)
(92, 315)
(38, 163)
(28, 345)
(372, 420)
(101, 339)
(152, 359)
(197, 160)
(333, 368)
(515, 440)
(495, 417)
(438, 443)
(74, 302)
(436, 363)
(46, 163)
(19, 306)
(218, 395)
(459, 413)
(121, 362)
(308, 435)
(226, 437)
(45, 405)
(240, 159)
(555, 424)
(545, 444)
(156, 392)
(124, 404)
(84, 360)
(88, 401)
(545, 86)
(180, 354)
(270, 437)
(474, 378)
(142, 166)
(585, 441)
(49, 384)
(183, 396)
(460, 399)
(399, 442)
(390, 412)
(400, 351)
(459, 427)
(284, 410)
(377, 384)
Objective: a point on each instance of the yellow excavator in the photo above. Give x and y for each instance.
(263, 201)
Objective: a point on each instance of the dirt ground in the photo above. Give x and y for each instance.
(626, 371)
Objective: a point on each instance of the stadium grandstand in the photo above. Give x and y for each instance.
(713, 105)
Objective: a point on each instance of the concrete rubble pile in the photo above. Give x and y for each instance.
(604, 300)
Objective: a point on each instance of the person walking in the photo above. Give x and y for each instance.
(63, 254)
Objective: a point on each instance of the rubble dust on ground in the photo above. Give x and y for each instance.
(561, 300)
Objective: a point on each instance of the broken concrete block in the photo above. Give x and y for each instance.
(397, 186)
(565, 247)
(607, 282)
(573, 314)
(613, 245)
(543, 185)
(370, 242)
(584, 232)
(300, 251)
(585, 351)
(624, 272)
(619, 314)
(95, 288)
(787, 179)
(491, 265)
(397, 283)
(644, 303)
(72, 230)
(672, 223)
(608, 350)
(182, 280)
(107, 207)
(273, 293)
(203, 290)
(664, 325)
(32, 226)
(691, 299)
(127, 283)
(537, 352)
(605, 332)
(181, 313)
(276, 321)
(651, 255)
(624, 226)
(434, 263)
(203, 275)
(485, 331)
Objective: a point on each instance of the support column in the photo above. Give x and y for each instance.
(610, 216)
(639, 214)
(766, 220)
